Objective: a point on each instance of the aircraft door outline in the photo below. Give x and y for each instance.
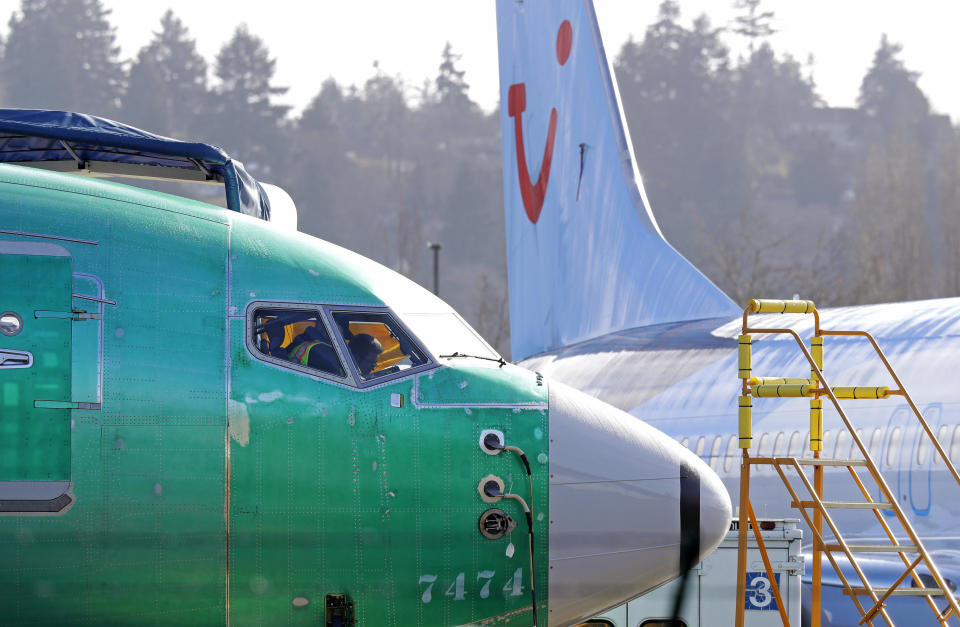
(921, 474)
(891, 459)
(36, 296)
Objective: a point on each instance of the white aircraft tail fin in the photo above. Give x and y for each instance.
(584, 251)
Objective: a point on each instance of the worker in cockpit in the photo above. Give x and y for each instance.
(312, 348)
(366, 351)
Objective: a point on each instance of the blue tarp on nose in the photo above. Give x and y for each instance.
(34, 135)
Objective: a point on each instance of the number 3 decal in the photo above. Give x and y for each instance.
(759, 593)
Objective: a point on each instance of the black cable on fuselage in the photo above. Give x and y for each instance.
(529, 513)
(493, 442)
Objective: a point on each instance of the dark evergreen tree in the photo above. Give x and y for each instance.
(769, 99)
(61, 54)
(378, 117)
(949, 193)
(168, 82)
(889, 95)
(451, 87)
(677, 93)
(318, 172)
(753, 24)
(247, 121)
(352, 161)
(818, 173)
(772, 97)
(896, 191)
(776, 87)
(451, 113)
(325, 111)
(777, 107)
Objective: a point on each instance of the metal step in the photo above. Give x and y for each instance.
(899, 592)
(807, 461)
(842, 505)
(873, 548)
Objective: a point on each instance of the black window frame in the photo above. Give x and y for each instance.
(254, 306)
(429, 364)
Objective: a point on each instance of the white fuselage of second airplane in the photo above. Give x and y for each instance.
(682, 379)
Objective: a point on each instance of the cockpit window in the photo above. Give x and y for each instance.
(297, 336)
(377, 344)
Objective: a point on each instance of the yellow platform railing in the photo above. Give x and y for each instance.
(814, 509)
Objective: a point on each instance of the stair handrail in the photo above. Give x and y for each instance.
(903, 392)
(772, 306)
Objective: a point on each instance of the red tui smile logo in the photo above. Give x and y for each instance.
(533, 193)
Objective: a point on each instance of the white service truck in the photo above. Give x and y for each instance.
(710, 599)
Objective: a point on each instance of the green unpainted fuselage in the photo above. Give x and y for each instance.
(209, 486)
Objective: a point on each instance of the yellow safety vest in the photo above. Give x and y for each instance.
(301, 352)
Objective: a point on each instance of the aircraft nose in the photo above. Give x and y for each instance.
(622, 495)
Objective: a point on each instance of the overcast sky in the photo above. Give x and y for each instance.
(315, 39)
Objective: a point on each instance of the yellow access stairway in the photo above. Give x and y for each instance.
(807, 492)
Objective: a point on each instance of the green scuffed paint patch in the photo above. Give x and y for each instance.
(238, 422)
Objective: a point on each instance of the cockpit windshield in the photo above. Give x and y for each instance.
(377, 344)
(296, 336)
